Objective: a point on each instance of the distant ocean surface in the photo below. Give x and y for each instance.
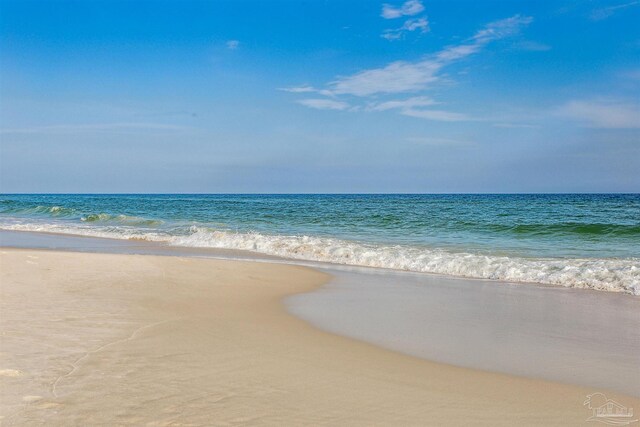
(582, 241)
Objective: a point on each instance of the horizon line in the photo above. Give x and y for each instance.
(319, 194)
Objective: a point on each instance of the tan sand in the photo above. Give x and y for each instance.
(97, 339)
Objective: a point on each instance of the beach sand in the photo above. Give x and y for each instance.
(104, 339)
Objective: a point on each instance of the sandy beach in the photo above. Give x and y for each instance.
(103, 339)
(319, 213)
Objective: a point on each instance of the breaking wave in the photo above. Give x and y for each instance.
(607, 274)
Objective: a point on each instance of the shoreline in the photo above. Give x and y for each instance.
(612, 274)
(227, 346)
(149, 247)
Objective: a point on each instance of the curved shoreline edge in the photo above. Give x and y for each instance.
(628, 286)
(139, 339)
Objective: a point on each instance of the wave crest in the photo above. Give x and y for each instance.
(123, 219)
(616, 275)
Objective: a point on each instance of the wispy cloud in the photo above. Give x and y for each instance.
(416, 101)
(609, 114)
(501, 29)
(409, 77)
(414, 107)
(408, 8)
(307, 89)
(416, 24)
(402, 76)
(397, 77)
(233, 44)
(421, 24)
(299, 89)
(324, 104)
(605, 12)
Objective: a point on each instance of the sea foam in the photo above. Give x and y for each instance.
(606, 274)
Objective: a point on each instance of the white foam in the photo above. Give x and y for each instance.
(615, 275)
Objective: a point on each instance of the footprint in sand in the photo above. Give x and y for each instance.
(30, 399)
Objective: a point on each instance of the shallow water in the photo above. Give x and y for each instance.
(586, 338)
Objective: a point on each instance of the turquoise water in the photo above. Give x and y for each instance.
(589, 241)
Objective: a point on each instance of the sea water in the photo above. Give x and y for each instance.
(572, 240)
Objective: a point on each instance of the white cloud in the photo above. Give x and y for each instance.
(299, 89)
(416, 101)
(307, 89)
(396, 77)
(233, 44)
(404, 76)
(453, 53)
(392, 35)
(502, 28)
(415, 107)
(605, 12)
(324, 104)
(416, 24)
(408, 8)
(407, 77)
(410, 25)
(602, 113)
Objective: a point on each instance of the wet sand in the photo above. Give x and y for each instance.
(574, 336)
(147, 340)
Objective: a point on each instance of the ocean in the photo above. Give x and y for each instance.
(572, 240)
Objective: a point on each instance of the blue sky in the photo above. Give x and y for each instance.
(320, 96)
